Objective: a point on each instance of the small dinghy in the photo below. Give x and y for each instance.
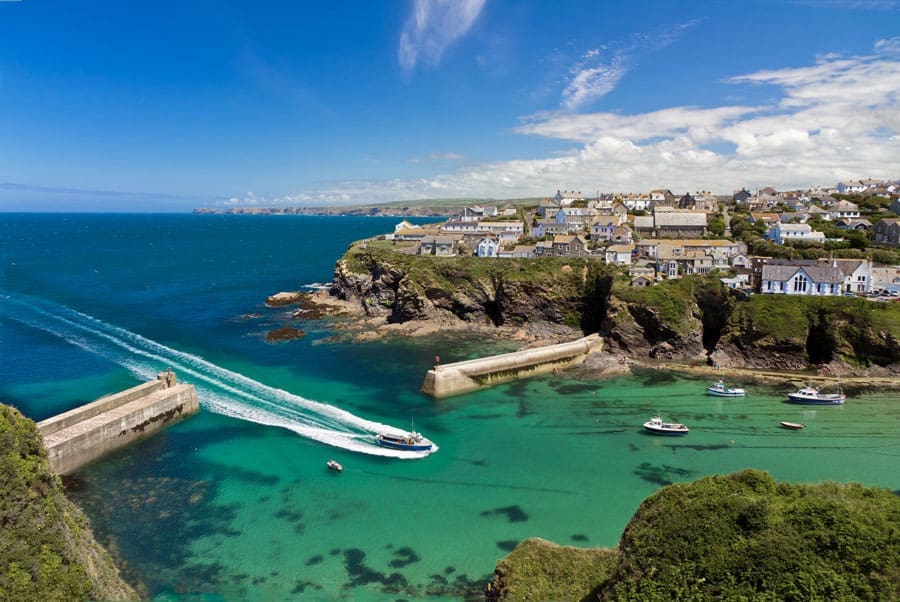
(794, 426)
(334, 465)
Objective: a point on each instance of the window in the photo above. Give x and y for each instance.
(800, 284)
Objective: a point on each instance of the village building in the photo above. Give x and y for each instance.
(887, 231)
(663, 198)
(619, 254)
(791, 278)
(782, 233)
(739, 282)
(844, 210)
(622, 235)
(569, 245)
(488, 246)
(886, 278)
(740, 197)
(442, 246)
(523, 252)
(603, 227)
(543, 248)
(636, 201)
(671, 223)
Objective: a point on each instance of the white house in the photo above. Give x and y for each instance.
(844, 210)
(487, 247)
(857, 274)
(793, 279)
(619, 254)
(785, 232)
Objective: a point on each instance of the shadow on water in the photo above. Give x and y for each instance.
(569, 388)
(661, 475)
(514, 514)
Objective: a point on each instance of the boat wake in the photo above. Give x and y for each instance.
(219, 390)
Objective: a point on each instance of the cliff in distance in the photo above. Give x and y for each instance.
(47, 550)
(691, 319)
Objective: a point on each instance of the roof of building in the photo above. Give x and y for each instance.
(817, 273)
(686, 218)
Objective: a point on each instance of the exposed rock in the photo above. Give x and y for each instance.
(285, 298)
(285, 333)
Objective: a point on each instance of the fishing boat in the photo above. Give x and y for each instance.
(658, 427)
(794, 426)
(720, 390)
(411, 441)
(334, 465)
(811, 395)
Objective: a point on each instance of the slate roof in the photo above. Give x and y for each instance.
(817, 273)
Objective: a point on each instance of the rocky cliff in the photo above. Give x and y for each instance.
(692, 319)
(47, 550)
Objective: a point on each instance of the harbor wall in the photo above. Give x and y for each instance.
(84, 434)
(470, 375)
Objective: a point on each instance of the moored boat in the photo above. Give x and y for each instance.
(720, 390)
(811, 395)
(411, 441)
(334, 465)
(794, 426)
(658, 427)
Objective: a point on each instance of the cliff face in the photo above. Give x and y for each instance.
(47, 551)
(461, 291)
(689, 319)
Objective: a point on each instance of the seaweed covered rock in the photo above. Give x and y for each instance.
(47, 551)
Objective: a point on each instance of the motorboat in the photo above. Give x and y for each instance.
(720, 390)
(794, 426)
(334, 465)
(658, 427)
(411, 441)
(811, 395)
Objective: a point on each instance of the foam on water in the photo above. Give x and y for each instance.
(219, 390)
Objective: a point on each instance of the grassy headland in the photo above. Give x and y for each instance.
(738, 537)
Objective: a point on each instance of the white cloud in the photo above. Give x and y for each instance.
(432, 157)
(432, 27)
(599, 70)
(836, 119)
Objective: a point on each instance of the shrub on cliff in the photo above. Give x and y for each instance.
(744, 536)
(46, 549)
(737, 537)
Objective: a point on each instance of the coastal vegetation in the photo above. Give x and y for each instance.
(737, 537)
(47, 550)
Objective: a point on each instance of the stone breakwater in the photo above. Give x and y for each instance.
(471, 375)
(86, 433)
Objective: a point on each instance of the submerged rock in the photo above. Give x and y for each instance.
(285, 333)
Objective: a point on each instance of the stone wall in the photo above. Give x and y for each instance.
(82, 435)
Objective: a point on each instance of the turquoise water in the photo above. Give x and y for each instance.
(236, 503)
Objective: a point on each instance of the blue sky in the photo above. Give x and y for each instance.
(173, 105)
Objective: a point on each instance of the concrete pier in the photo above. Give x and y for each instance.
(470, 375)
(82, 435)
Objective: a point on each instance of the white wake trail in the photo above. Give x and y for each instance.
(220, 390)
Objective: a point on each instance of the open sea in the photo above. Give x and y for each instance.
(236, 503)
